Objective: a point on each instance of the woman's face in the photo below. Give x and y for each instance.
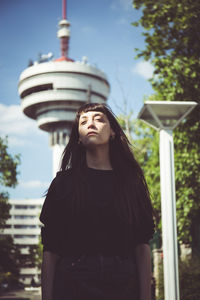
(94, 129)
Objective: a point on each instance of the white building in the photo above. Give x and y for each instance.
(24, 226)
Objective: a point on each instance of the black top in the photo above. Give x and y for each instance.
(98, 228)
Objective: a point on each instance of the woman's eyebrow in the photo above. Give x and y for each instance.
(84, 117)
(98, 115)
(95, 115)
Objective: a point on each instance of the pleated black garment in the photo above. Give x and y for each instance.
(96, 278)
(98, 234)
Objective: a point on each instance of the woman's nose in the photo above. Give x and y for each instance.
(91, 124)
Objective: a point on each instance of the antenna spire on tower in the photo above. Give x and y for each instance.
(64, 10)
(64, 33)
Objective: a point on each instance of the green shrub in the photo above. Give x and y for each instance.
(189, 279)
(189, 274)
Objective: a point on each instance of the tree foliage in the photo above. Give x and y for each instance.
(189, 275)
(144, 142)
(172, 44)
(33, 256)
(8, 178)
(9, 261)
(9, 254)
(172, 39)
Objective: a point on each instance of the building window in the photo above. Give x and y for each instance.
(7, 226)
(36, 89)
(19, 236)
(31, 206)
(21, 206)
(24, 226)
(24, 217)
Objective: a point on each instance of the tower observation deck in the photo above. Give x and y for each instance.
(52, 91)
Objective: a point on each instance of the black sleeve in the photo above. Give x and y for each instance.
(48, 216)
(145, 231)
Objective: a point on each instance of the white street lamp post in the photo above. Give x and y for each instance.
(165, 116)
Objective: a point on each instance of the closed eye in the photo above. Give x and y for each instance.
(83, 122)
(99, 119)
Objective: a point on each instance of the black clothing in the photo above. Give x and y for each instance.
(96, 278)
(98, 228)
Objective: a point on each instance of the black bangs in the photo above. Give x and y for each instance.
(93, 107)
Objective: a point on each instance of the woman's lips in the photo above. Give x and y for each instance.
(91, 133)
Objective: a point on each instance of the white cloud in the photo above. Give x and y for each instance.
(144, 69)
(13, 121)
(88, 29)
(33, 184)
(113, 6)
(16, 125)
(122, 21)
(125, 4)
(15, 141)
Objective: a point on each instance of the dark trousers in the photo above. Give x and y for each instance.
(96, 278)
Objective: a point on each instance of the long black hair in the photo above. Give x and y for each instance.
(133, 199)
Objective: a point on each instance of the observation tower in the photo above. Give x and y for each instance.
(52, 91)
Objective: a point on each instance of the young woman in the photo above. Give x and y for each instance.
(97, 216)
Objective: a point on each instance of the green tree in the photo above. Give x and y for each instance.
(9, 254)
(33, 257)
(145, 146)
(9, 261)
(8, 178)
(172, 44)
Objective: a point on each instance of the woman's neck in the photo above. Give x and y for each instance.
(98, 158)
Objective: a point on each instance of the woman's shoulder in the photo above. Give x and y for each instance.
(62, 180)
(64, 173)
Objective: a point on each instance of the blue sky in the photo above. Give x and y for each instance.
(100, 30)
